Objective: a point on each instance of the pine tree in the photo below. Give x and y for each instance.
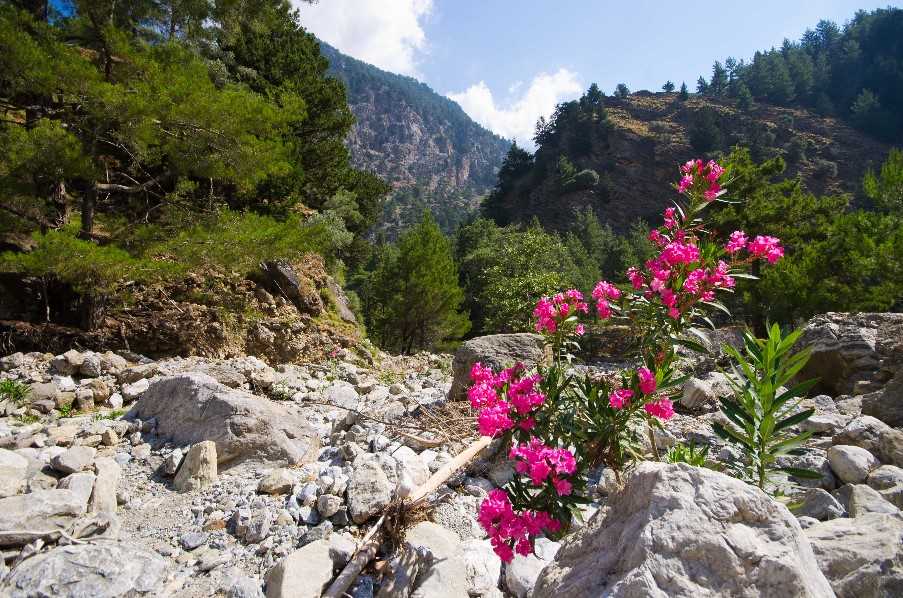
(744, 98)
(718, 85)
(702, 86)
(668, 87)
(416, 293)
(684, 93)
(622, 91)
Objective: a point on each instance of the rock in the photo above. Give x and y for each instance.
(887, 403)
(888, 481)
(849, 348)
(77, 458)
(705, 391)
(483, 569)
(341, 549)
(171, 462)
(820, 505)
(342, 394)
(522, 573)
(115, 401)
(278, 481)
(92, 365)
(192, 540)
(43, 391)
(864, 432)
(496, 350)
(252, 525)
(198, 469)
(81, 484)
(141, 452)
(328, 504)
(446, 575)
(369, 490)
(224, 374)
(103, 570)
(862, 557)
(890, 446)
(864, 499)
(106, 486)
(824, 423)
(244, 587)
(402, 571)
(13, 470)
(304, 573)
(40, 514)
(851, 464)
(109, 437)
(193, 407)
(133, 391)
(742, 542)
(409, 465)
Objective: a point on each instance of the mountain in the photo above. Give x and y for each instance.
(618, 155)
(420, 142)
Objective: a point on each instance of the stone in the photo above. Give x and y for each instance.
(890, 446)
(341, 549)
(495, 350)
(252, 525)
(77, 458)
(225, 375)
(887, 403)
(13, 473)
(141, 452)
(342, 394)
(861, 557)
(43, 391)
(278, 481)
(742, 542)
(92, 365)
(705, 391)
(865, 499)
(888, 481)
(824, 423)
(244, 587)
(192, 540)
(402, 571)
(369, 490)
(193, 407)
(81, 484)
(328, 504)
(820, 505)
(283, 280)
(106, 486)
(304, 573)
(133, 391)
(522, 573)
(483, 569)
(171, 463)
(851, 464)
(115, 401)
(198, 469)
(40, 514)
(446, 574)
(103, 570)
(864, 431)
(410, 465)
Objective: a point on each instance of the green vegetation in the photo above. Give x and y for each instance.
(762, 413)
(13, 390)
(110, 415)
(688, 453)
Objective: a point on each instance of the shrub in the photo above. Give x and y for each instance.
(13, 390)
(689, 454)
(560, 424)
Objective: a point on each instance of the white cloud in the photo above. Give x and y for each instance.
(385, 33)
(518, 118)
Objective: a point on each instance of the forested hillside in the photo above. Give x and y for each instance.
(423, 144)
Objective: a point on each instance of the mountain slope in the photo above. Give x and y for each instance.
(420, 142)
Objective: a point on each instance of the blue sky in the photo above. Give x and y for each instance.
(509, 62)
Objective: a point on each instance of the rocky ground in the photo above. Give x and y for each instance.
(123, 476)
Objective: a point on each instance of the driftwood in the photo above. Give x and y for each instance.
(370, 543)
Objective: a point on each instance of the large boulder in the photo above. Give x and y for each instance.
(886, 404)
(281, 279)
(103, 570)
(496, 350)
(853, 353)
(679, 530)
(861, 557)
(39, 514)
(193, 407)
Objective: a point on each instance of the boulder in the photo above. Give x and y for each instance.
(282, 280)
(865, 499)
(193, 407)
(445, 576)
(304, 573)
(13, 473)
(890, 446)
(103, 498)
(522, 573)
(278, 481)
(77, 458)
(699, 393)
(861, 557)
(198, 469)
(851, 349)
(106, 569)
(496, 350)
(820, 505)
(888, 481)
(81, 483)
(369, 490)
(678, 530)
(863, 431)
(886, 404)
(851, 464)
(39, 514)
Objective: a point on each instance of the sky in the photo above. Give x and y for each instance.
(508, 62)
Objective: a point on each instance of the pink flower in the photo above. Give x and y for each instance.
(636, 278)
(647, 381)
(685, 183)
(603, 309)
(562, 487)
(736, 242)
(767, 247)
(606, 290)
(620, 397)
(580, 330)
(670, 222)
(662, 409)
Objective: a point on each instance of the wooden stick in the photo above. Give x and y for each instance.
(370, 543)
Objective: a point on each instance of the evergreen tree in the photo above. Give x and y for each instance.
(414, 292)
(705, 134)
(718, 85)
(517, 163)
(622, 91)
(885, 189)
(668, 87)
(744, 98)
(684, 93)
(702, 86)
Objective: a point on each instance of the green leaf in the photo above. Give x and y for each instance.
(794, 419)
(800, 472)
(730, 435)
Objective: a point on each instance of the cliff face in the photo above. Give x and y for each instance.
(420, 142)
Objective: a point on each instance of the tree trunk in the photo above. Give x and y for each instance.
(88, 204)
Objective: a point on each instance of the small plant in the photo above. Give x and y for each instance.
(763, 412)
(13, 390)
(115, 414)
(281, 392)
(66, 410)
(28, 418)
(689, 454)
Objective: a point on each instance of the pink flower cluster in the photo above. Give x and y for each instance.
(761, 247)
(662, 409)
(543, 463)
(701, 281)
(505, 399)
(551, 311)
(697, 174)
(603, 293)
(619, 398)
(511, 532)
